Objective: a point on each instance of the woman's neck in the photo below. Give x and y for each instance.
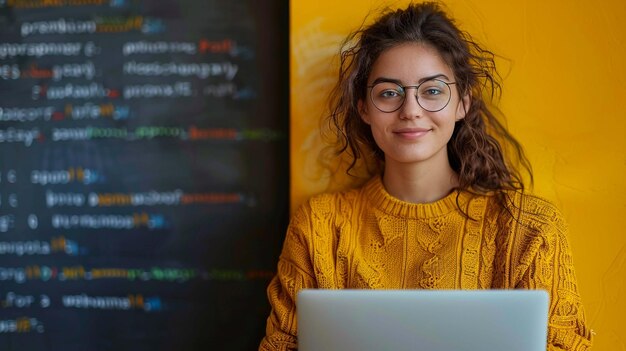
(419, 183)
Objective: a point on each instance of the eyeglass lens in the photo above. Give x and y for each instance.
(432, 95)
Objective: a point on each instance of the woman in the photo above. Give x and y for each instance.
(444, 208)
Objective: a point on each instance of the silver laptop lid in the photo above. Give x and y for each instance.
(425, 320)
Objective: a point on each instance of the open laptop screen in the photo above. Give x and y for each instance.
(425, 320)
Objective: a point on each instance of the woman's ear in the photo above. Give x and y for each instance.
(363, 111)
(461, 109)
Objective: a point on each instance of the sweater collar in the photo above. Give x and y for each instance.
(379, 197)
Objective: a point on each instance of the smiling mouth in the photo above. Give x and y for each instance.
(411, 132)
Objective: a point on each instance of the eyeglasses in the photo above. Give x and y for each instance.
(432, 95)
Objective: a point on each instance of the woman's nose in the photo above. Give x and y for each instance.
(411, 108)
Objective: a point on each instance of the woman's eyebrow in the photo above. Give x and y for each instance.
(440, 75)
(386, 80)
(399, 82)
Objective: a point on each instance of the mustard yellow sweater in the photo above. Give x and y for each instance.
(367, 239)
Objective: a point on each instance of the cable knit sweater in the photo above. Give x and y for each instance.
(365, 238)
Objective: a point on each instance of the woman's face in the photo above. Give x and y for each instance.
(412, 134)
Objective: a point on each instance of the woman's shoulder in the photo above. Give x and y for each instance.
(534, 212)
(327, 203)
(333, 209)
(317, 219)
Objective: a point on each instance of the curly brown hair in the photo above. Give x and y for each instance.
(475, 150)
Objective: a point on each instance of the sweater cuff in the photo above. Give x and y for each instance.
(568, 339)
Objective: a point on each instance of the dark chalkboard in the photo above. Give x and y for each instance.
(143, 172)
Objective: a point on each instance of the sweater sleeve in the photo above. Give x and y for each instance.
(547, 264)
(295, 272)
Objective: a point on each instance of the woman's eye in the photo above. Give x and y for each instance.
(390, 94)
(431, 91)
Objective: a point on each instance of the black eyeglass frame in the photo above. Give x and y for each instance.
(404, 87)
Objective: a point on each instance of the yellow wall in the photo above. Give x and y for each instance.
(565, 98)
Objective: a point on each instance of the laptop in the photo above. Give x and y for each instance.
(424, 320)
